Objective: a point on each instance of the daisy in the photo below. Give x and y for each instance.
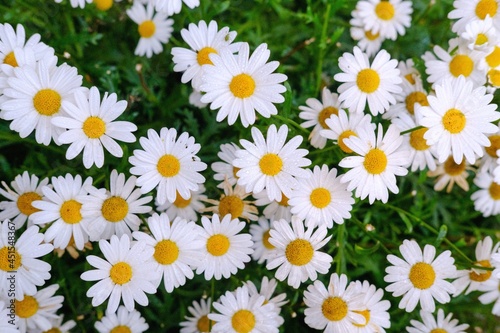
(19, 263)
(467, 11)
(335, 308)
(91, 125)
(458, 118)
(8, 325)
(260, 232)
(388, 18)
(25, 190)
(481, 35)
(122, 321)
(491, 294)
(267, 288)
(411, 97)
(296, 252)
(239, 312)
(36, 312)
(176, 249)
(59, 327)
(154, 29)
(363, 82)
(62, 206)
(270, 163)
(199, 321)
(224, 169)
(187, 209)
(368, 41)
(195, 99)
(274, 210)
(450, 173)
(233, 202)
(487, 198)
(76, 3)
(203, 41)
(373, 173)
(408, 71)
(240, 85)
(168, 163)
(321, 198)
(127, 273)
(225, 249)
(492, 60)
(440, 324)
(375, 310)
(425, 273)
(170, 7)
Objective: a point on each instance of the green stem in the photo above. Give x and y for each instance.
(292, 123)
(322, 48)
(411, 130)
(339, 258)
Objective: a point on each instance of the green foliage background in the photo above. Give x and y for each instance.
(307, 37)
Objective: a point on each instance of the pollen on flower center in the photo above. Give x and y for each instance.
(70, 211)
(481, 277)
(121, 329)
(231, 204)
(340, 141)
(452, 168)
(375, 161)
(270, 164)
(299, 252)
(147, 29)
(218, 245)
(203, 56)
(103, 4)
(47, 102)
(24, 203)
(94, 127)
(454, 121)
(486, 7)
(438, 330)
(242, 86)
(203, 324)
(265, 240)
(415, 97)
(494, 145)
(166, 252)
(494, 191)
(325, 114)
(366, 314)
(417, 140)
(385, 10)
(494, 77)
(27, 307)
(114, 209)
(180, 202)
(320, 197)
(422, 275)
(493, 59)
(168, 165)
(120, 273)
(243, 321)
(371, 36)
(481, 39)
(9, 260)
(461, 64)
(368, 80)
(334, 308)
(10, 59)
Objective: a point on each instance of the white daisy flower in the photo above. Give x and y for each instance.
(25, 190)
(233, 202)
(274, 210)
(168, 163)
(225, 249)
(467, 11)
(8, 324)
(489, 161)
(267, 288)
(387, 18)
(170, 7)
(297, 252)
(91, 125)
(114, 212)
(76, 3)
(240, 312)
(19, 263)
(450, 173)
(375, 310)
(375, 82)
(425, 273)
(321, 198)
(195, 99)
(62, 206)
(335, 308)
(493, 79)
(491, 294)
(260, 232)
(409, 72)
(487, 198)
(154, 29)
(240, 85)
(224, 169)
(315, 114)
(438, 324)
(59, 327)
(481, 35)
(199, 321)
(122, 320)
(382, 158)
(203, 41)
(368, 41)
(176, 247)
(187, 209)
(127, 273)
(411, 97)
(458, 118)
(270, 163)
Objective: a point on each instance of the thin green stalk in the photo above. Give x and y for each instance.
(339, 258)
(322, 48)
(292, 123)
(411, 130)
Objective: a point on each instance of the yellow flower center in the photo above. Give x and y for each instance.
(454, 121)
(166, 252)
(121, 329)
(334, 308)
(147, 29)
(265, 240)
(320, 197)
(494, 145)
(114, 209)
(168, 165)
(375, 161)
(27, 307)
(368, 80)
(415, 97)
(452, 168)
(299, 252)
(481, 39)
(461, 64)
(422, 275)
(180, 202)
(417, 140)
(371, 36)
(242, 86)
(10, 59)
(481, 277)
(94, 127)
(325, 114)
(120, 273)
(270, 164)
(218, 245)
(70, 211)
(243, 321)
(385, 10)
(6, 262)
(203, 56)
(284, 200)
(53, 330)
(494, 191)
(438, 330)
(366, 314)
(486, 7)
(494, 77)
(493, 59)
(231, 204)
(340, 141)
(235, 171)
(410, 78)
(47, 102)
(203, 324)
(103, 4)
(24, 203)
